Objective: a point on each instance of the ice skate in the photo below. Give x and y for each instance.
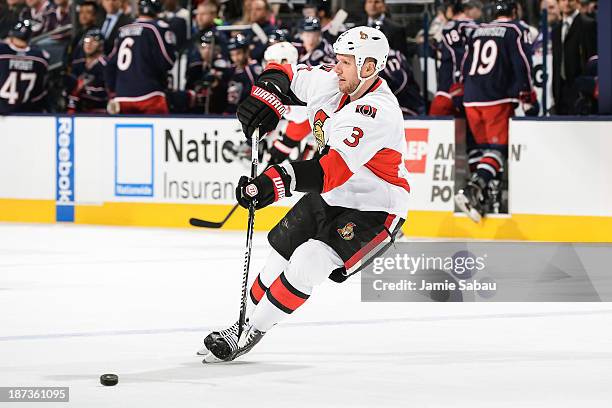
(248, 339)
(220, 345)
(470, 199)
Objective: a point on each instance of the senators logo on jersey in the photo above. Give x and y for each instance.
(317, 128)
(347, 233)
(366, 110)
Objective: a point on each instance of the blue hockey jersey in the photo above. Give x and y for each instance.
(496, 67)
(452, 48)
(88, 90)
(138, 65)
(240, 82)
(401, 81)
(23, 75)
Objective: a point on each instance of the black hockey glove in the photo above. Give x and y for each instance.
(264, 107)
(270, 186)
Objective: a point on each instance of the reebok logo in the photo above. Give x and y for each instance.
(417, 143)
(269, 99)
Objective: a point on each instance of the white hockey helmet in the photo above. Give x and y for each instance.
(364, 42)
(279, 52)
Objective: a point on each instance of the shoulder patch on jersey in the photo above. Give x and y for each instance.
(170, 37)
(162, 24)
(366, 110)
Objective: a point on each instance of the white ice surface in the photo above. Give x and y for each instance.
(77, 302)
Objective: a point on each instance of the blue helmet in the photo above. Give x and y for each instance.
(278, 36)
(504, 8)
(22, 30)
(237, 43)
(95, 33)
(149, 7)
(207, 38)
(311, 24)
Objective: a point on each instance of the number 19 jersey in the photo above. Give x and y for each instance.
(496, 67)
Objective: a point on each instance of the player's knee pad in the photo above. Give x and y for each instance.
(310, 264)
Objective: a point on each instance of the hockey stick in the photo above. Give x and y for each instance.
(197, 222)
(249, 240)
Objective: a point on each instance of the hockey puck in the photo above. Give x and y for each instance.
(109, 379)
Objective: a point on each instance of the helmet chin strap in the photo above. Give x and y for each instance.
(362, 81)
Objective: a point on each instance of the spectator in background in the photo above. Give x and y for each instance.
(42, 15)
(206, 15)
(574, 43)
(324, 14)
(178, 19)
(207, 75)
(86, 85)
(242, 74)
(88, 13)
(61, 17)
(473, 10)
(10, 11)
(260, 14)
(376, 17)
(113, 21)
(553, 16)
(315, 49)
(588, 8)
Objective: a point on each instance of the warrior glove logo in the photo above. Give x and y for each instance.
(347, 233)
(269, 99)
(251, 190)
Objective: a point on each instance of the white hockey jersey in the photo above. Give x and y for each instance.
(368, 134)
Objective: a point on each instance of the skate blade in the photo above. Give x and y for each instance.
(203, 351)
(463, 204)
(211, 359)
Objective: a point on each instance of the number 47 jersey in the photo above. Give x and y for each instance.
(22, 79)
(496, 66)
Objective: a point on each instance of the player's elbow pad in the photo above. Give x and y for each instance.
(308, 176)
(322, 175)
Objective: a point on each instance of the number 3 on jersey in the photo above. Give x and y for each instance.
(356, 135)
(483, 60)
(124, 55)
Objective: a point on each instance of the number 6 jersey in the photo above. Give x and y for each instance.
(364, 167)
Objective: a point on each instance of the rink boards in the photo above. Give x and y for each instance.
(147, 171)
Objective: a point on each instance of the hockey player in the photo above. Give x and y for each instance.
(206, 75)
(316, 50)
(401, 80)
(356, 191)
(87, 90)
(23, 72)
(138, 65)
(497, 76)
(295, 127)
(449, 97)
(241, 74)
